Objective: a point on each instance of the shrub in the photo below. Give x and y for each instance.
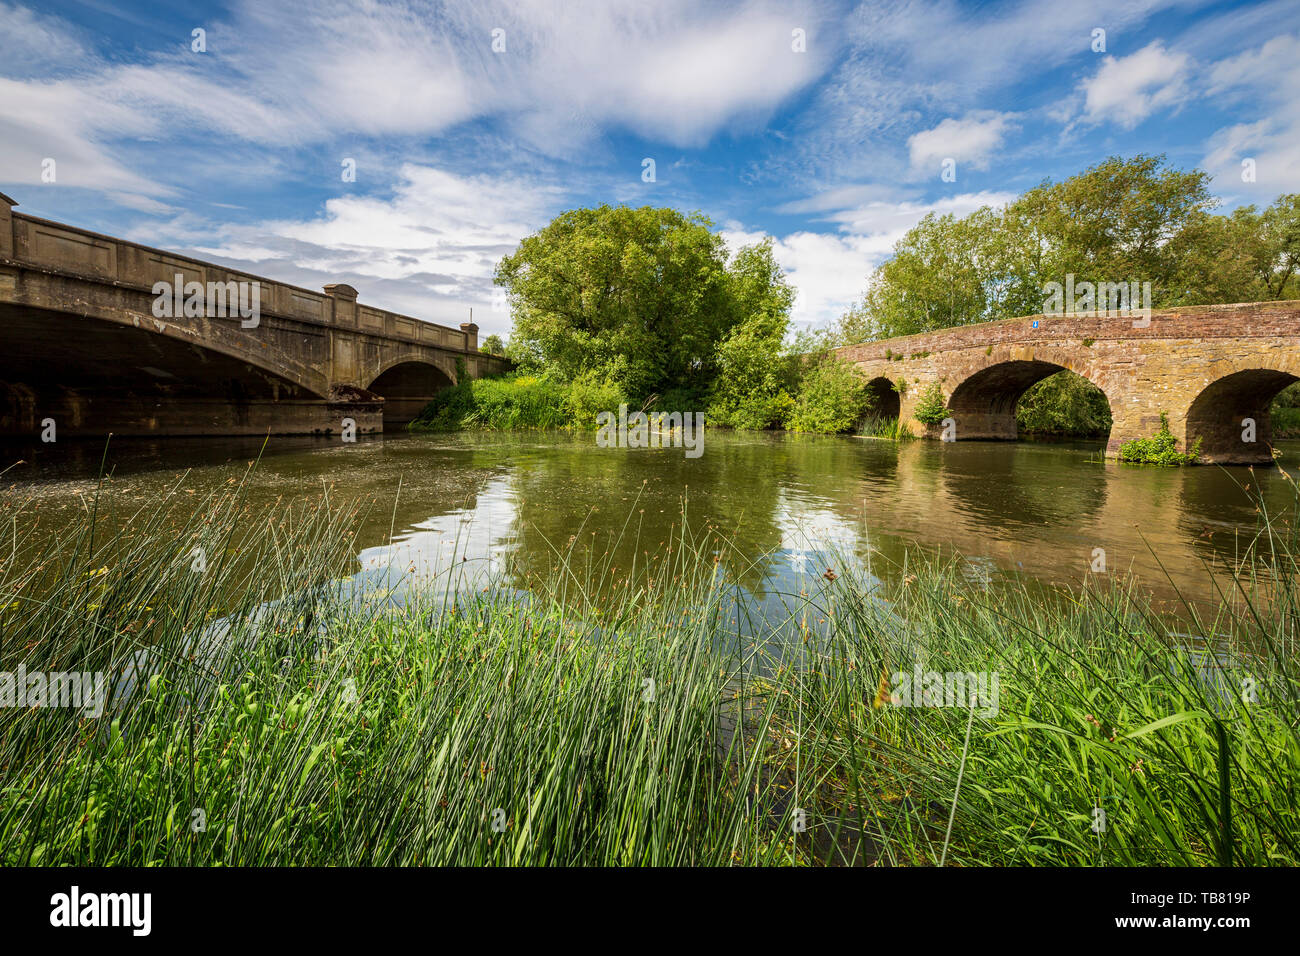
(832, 398)
(680, 400)
(512, 401)
(1160, 449)
(1064, 404)
(588, 396)
(931, 408)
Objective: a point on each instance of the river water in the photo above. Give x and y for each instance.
(791, 506)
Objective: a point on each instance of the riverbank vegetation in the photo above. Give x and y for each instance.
(613, 719)
(519, 401)
(1160, 449)
(648, 306)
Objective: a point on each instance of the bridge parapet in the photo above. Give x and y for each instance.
(56, 247)
(82, 340)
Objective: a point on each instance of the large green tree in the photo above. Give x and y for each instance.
(754, 377)
(1248, 256)
(1120, 221)
(639, 297)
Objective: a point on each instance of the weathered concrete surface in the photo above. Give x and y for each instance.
(1208, 367)
(79, 343)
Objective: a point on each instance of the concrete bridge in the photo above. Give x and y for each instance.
(1208, 367)
(81, 342)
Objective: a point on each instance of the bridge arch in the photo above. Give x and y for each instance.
(983, 403)
(885, 402)
(407, 385)
(93, 374)
(1231, 416)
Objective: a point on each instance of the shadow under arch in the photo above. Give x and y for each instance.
(885, 402)
(984, 403)
(1221, 416)
(93, 377)
(406, 388)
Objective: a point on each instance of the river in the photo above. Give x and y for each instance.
(792, 506)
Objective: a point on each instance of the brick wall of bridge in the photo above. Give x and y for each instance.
(1208, 368)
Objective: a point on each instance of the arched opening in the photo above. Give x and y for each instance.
(882, 416)
(406, 388)
(884, 400)
(1064, 405)
(1231, 417)
(92, 377)
(1058, 402)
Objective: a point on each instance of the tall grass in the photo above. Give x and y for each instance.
(584, 724)
(887, 427)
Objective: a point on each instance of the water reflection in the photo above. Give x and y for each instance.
(502, 507)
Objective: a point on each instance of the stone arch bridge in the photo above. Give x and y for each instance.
(81, 343)
(1209, 368)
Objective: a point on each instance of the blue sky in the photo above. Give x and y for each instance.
(235, 153)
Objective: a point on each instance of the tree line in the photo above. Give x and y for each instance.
(648, 306)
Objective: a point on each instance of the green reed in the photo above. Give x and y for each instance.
(607, 720)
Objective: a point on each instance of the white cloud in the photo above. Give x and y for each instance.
(970, 140)
(829, 271)
(30, 43)
(64, 121)
(429, 250)
(908, 62)
(316, 72)
(1263, 82)
(1126, 90)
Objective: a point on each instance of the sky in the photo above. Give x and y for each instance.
(405, 147)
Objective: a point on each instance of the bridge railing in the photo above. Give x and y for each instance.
(60, 248)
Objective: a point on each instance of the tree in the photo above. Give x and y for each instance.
(754, 375)
(640, 297)
(1248, 256)
(936, 278)
(1119, 221)
(492, 345)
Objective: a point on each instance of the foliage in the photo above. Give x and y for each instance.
(755, 379)
(931, 407)
(832, 398)
(1248, 256)
(642, 298)
(492, 345)
(1063, 404)
(1160, 449)
(316, 729)
(519, 400)
(1119, 221)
